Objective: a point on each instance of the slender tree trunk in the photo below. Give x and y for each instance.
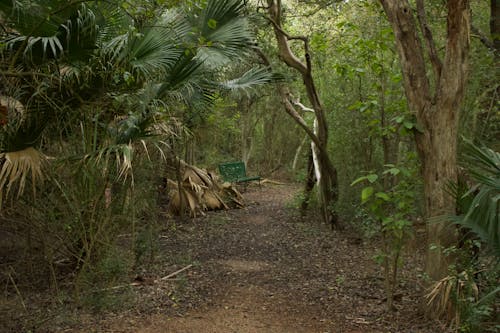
(328, 184)
(298, 152)
(495, 25)
(309, 185)
(247, 128)
(436, 110)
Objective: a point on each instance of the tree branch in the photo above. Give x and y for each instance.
(411, 54)
(282, 38)
(297, 102)
(285, 94)
(483, 38)
(454, 76)
(289, 108)
(431, 46)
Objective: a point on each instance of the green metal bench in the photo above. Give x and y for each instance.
(235, 172)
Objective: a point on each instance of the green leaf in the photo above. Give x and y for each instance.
(392, 171)
(399, 119)
(366, 193)
(359, 180)
(387, 220)
(409, 124)
(212, 24)
(382, 195)
(372, 178)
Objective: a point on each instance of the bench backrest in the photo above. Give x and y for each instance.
(232, 171)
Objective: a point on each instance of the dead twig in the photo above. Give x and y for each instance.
(137, 283)
(174, 273)
(270, 181)
(17, 290)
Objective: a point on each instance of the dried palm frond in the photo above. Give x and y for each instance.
(120, 154)
(446, 295)
(13, 108)
(200, 191)
(16, 166)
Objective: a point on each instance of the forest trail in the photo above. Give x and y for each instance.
(264, 269)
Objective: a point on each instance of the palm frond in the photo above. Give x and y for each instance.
(224, 32)
(187, 70)
(483, 160)
(154, 51)
(133, 129)
(113, 21)
(49, 32)
(482, 216)
(17, 166)
(254, 77)
(43, 47)
(80, 32)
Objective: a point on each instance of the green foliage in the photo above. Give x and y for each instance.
(360, 82)
(473, 281)
(481, 211)
(107, 95)
(390, 198)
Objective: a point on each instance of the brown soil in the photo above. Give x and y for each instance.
(260, 269)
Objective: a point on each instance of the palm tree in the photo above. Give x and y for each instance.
(94, 88)
(92, 53)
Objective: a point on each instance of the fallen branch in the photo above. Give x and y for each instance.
(137, 283)
(171, 275)
(270, 181)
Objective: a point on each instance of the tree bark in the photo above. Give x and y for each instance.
(309, 185)
(495, 25)
(328, 184)
(247, 127)
(436, 110)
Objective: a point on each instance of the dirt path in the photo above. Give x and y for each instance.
(263, 269)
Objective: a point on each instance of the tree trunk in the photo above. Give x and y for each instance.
(328, 184)
(495, 25)
(436, 111)
(309, 185)
(438, 155)
(247, 127)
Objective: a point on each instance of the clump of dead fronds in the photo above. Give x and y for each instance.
(15, 168)
(199, 190)
(446, 295)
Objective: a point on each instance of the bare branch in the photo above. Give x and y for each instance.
(296, 116)
(297, 102)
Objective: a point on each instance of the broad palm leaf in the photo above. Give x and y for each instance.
(50, 30)
(482, 214)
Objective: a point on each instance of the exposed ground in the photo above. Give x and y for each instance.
(259, 269)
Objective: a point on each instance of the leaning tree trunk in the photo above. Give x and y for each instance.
(328, 184)
(436, 110)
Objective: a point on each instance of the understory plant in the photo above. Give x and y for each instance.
(470, 295)
(91, 96)
(389, 199)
